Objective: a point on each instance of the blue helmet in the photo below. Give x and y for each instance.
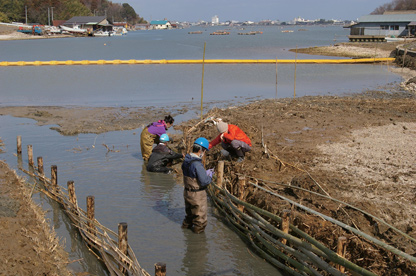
(164, 138)
(202, 142)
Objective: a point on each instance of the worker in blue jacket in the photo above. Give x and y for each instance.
(196, 180)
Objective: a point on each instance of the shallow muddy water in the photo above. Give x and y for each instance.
(152, 204)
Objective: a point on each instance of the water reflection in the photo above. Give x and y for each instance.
(195, 260)
(160, 190)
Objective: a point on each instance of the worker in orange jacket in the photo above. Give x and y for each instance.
(233, 140)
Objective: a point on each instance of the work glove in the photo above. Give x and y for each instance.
(210, 172)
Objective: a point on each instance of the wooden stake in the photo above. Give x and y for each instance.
(72, 195)
(404, 56)
(30, 155)
(220, 174)
(40, 165)
(285, 223)
(241, 190)
(91, 214)
(341, 250)
(19, 144)
(122, 243)
(54, 175)
(160, 269)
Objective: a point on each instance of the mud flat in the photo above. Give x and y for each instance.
(29, 246)
(359, 149)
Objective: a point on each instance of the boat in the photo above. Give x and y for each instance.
(103, 33)
(195, 32)
(76, 29)
(394, 39)
(220, 33)
(120, 31)
(53, 30)
(287, 31)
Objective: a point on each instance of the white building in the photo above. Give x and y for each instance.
(215, 20)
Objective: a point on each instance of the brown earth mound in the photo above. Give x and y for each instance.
(28, 246)
(360, 150)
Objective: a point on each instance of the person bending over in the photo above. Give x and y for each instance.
(162, 156)
(150, 135)
(233, 140)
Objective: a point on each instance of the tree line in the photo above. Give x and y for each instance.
(42, 11)
(396, 5)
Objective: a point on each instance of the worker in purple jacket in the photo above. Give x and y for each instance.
(150, 135)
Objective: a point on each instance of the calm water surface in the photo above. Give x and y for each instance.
(152, 204)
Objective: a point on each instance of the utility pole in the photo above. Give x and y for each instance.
(26, 14)
(49, 16)
(52, 14)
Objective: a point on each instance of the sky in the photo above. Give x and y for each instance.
(253, 10)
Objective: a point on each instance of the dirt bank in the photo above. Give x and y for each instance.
(29, 246)
(353, 49)
(359, 149)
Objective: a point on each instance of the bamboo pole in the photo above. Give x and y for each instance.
(202, 82)
(19, 144)
(122, 244)
(91, 214)
(40, 165)
(285, 223)
(30, 155)
(160, 269)
(341, 250)
(296, 60)
(276, 78)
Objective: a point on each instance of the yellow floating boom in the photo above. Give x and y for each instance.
(195, 61)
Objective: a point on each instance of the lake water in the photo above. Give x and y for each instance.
(152, 204)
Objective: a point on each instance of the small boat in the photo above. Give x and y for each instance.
(195, 32)
(103, 33)
(120, 31)
(220, 33)
(287, 31)
(76, 29)
(53, 30)
(249, 33)
(394, 39)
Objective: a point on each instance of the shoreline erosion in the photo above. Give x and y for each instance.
(352, 122)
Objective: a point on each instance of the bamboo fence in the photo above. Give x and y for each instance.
(282, 243)
(109, 247)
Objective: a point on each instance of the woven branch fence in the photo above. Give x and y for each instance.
(282, 243)
(109, 247)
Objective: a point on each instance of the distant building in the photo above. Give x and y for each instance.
(89, 22)
(142, 26)
(160, 25)
(215, 20)
(389, 24)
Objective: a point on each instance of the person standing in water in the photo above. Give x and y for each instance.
(196, 180)
(151, 134)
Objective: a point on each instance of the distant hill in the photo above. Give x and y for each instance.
(43, 11)
(396, 5)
